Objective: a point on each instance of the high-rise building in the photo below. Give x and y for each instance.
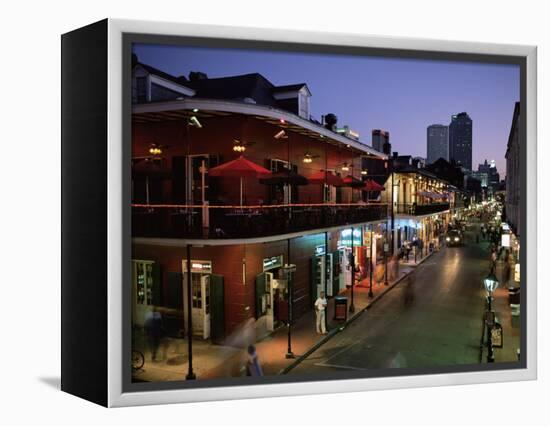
(437, 145)
(493, 177)
(460, 140)
(379, 138)
(513, 178)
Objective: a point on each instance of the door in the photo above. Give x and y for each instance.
(261, 308)
(270, 311)
(217, 311)
(197, 179)
(335, 256)
(205, 304)
(329, 273)
(345, 268)
(317, 277)
(200, 303)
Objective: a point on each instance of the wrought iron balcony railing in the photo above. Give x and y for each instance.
(180, 221)
(421, 209)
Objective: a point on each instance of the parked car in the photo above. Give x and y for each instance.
(454, 238)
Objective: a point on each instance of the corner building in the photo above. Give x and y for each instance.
(238, 229)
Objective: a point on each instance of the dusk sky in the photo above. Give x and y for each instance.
(403, 96)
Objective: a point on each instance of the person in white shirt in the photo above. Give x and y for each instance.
(320, 308)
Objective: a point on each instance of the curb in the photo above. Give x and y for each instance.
(337, 330)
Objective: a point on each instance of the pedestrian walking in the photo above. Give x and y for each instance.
(320, 308)
(253, 367)
(153, 328)
(493, 261)
(506, 273)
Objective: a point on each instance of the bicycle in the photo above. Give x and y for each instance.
(138, 360)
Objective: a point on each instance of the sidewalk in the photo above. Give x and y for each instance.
(216, 361)
(511, 325)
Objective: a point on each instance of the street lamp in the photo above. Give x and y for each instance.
(372, 262)
(491, 283)
(386, 247)
(352, 265)
(288, 270)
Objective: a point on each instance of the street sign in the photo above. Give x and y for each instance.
(386, 247)
(497, 336)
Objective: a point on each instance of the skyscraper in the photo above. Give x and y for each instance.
(437, 145)
(379, 138)
(460, 140)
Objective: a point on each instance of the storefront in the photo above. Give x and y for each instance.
(350, 243)
(272, 293)
(206, 299)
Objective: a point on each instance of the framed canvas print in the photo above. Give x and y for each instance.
(251, 213)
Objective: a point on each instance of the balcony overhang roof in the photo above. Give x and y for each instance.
(180, 109)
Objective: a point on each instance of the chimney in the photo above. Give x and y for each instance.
(330, 121)
(197, 75)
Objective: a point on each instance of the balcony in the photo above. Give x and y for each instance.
(421, 209)
(224, 222)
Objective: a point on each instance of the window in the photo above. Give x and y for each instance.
(144, 282)
(277, 165)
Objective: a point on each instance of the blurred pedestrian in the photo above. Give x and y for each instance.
(153, 328)
(506, 273)
(253, 367)
(493, 260)
(320, 307)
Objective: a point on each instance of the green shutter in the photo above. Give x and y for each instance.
(217, 311)
(260, 291)
(174, 290)
(313, 282)
(156, 289)
(335, 272)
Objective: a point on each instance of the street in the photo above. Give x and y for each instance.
(431, 318)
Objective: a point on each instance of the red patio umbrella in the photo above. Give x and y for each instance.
(241, 168)
(352, 182)
(371, 185)
(321, 177)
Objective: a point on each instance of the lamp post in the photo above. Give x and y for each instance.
(288, 270)
(386, 247)
(190, 374)
(372, 262)
(491, 283)
(352, 265)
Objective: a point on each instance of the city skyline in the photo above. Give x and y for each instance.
(402, 96)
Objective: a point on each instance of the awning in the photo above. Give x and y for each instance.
(371, 185)
(352, 182)
(322, 177)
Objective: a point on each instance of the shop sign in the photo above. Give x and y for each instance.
(320, 250)
(505, 240)
(199, 266)
(272, 262)
(496, 336)
(345, 238)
